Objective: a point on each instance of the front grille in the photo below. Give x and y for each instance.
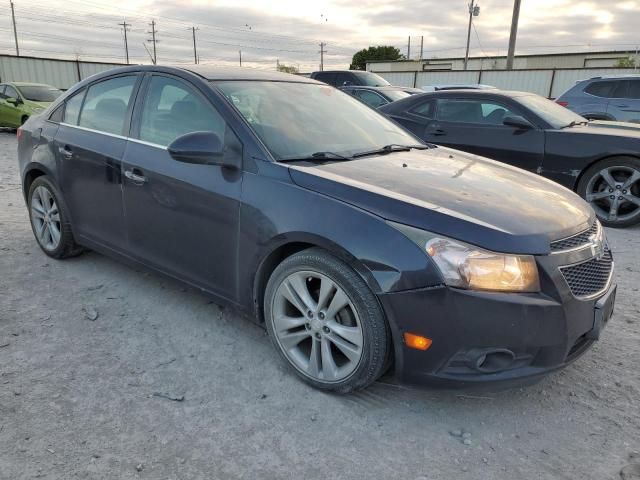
(576, 240)
(591, 277)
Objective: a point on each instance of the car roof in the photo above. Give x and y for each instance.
(614, 77)
(27, 84)
(243, 73)
(479, 93)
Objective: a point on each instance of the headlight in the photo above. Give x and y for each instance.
(466, 266)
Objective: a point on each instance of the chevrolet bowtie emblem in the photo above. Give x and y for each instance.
(596, 246)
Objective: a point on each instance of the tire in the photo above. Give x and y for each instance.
(23, 120)
(614, 197)
(44, 201)
(361, 321)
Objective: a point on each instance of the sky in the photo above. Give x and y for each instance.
(290, 32)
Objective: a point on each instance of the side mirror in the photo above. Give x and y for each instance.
(14, 101)
(518, 122)
(201, 148)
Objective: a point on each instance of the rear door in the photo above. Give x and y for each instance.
(90, 143)
(475, 125)
(625, 104)
(181, 218)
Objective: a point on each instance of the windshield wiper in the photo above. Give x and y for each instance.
(575, 124)
(317, 156)
(393, 147)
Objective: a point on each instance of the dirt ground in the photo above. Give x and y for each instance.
(164, 384)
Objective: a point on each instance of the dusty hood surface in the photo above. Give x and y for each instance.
(459, 195)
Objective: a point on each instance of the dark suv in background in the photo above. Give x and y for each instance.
(605, 98)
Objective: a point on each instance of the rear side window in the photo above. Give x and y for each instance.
(105, 108)
(621, 90)
(425, 109)
(72, 108)
(172, 109)
(601, 89)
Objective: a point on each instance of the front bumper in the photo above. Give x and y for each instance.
(482, 338)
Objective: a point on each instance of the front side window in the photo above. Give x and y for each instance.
(471, 111)
(172, 109)
(370, 98)
(10, 92)
(72, 108)
(295, 120)
(105, 108)
(633, 90)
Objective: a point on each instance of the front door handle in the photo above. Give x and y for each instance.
(134, 177)
(439, 133)
(66, 152)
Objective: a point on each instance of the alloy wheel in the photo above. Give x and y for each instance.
(614, 193)
(45, 218)
(317, 326)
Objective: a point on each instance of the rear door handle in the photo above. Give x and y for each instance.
(439, 133)
(134, 177)
(66, 152)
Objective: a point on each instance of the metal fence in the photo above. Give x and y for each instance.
(59, 73)
(549, 83)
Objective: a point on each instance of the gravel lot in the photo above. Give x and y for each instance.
(165, 384)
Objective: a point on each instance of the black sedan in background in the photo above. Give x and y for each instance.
(376, 97)
(358, 246)
(525, 130)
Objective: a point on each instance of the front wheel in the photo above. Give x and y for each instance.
(612, 188)
(325, 322)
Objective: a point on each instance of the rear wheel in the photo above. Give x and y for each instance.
(49, 220)
(24, 119)
(325, 322)
(612, 187)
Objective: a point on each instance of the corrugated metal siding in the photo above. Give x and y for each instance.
(535, 81)
(59, 73)
(565, 79)
(446, 78)
(401, 79)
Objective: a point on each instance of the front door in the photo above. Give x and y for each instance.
(89, 144)
(181, 218)
(475, 126)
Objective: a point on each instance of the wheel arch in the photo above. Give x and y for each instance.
(32, 172)
(286, 245)
(579, 178)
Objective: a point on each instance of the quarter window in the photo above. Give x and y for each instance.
(72, 108)
(425, 109)
(470, 111)
(172, 109)
(105, 108)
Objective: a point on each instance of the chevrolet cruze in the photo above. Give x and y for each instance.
(359, 247)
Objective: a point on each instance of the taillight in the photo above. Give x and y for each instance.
(19, 133)
(562, 104)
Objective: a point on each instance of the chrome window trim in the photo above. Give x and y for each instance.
(113, 135)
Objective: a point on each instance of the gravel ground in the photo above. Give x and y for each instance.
(164, 384)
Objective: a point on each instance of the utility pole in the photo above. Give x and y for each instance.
(153, 40)
(322, 52)
(421, 46)
(514, 34)
(409, 48)
(240, 53)
(195, 51)
(474, 11)
(125, 26)
(15, 31)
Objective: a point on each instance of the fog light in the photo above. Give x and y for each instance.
(417, 342)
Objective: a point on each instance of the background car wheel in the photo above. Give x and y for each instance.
(49, 220)
(23, 120)
(612, 187)
(325, 322)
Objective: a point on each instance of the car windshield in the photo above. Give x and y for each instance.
(396, 94)
(39, 93)
(296, 120)
(371, 79)
(555, 115)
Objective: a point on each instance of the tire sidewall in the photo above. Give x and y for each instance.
(593, 170)
(373, 323)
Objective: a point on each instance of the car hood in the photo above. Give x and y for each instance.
(455, 194)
